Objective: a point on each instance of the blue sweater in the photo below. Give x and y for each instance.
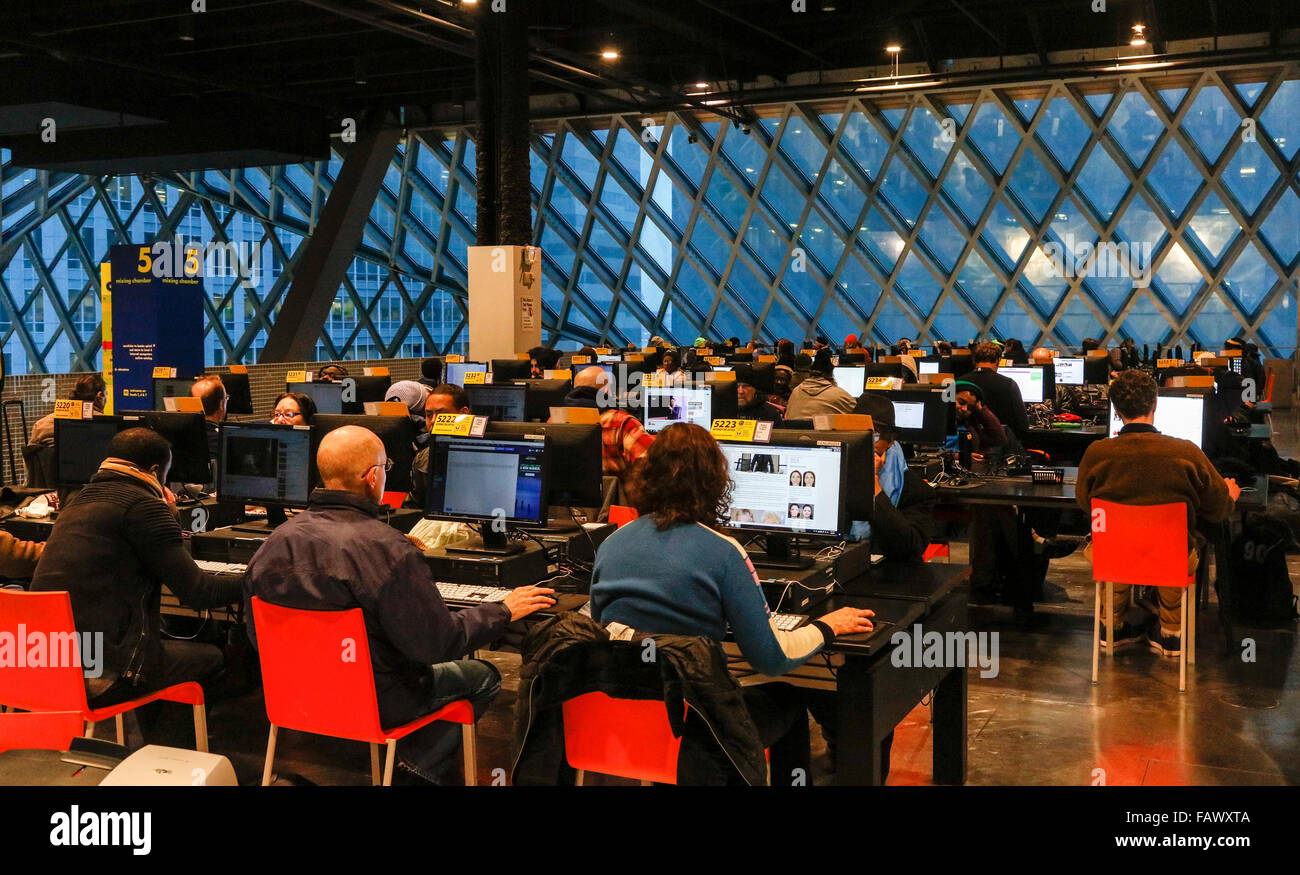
(691, 580)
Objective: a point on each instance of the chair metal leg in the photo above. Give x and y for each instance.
(201, 728)
(388, 762)
(375, 777)
(469, 741)
(581, 777)
(121, 729)
(1096, 629)
(1182, 647)
(1190, 631)
(270, 756)
(90, 729)
(1110, 619)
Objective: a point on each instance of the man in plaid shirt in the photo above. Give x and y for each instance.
(623, 439)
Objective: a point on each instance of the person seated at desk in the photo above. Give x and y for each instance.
(819, 393)
(39, 453)
(541, 360)
(670, 371)
(414, 395)
(986, 430)
(212, 392)
(1001, 394)
(754, 403)
(1142, 466)
(443, 398)
(902, 523)
(331, 374)
(670, 571)
(623, 439)
(293, 408)
(338, 555)
(112, 549)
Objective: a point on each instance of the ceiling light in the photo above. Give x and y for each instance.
(893, 48)
(610, 54)
(701, 85)
(1139, 37)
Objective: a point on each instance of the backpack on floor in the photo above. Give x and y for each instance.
(1261, 592)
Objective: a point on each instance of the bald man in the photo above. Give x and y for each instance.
(212, 392)
(623, 439)
(338, 555)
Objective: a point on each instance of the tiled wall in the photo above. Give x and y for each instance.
(37, 393)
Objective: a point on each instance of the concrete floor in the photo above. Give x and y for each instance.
(1040, 721)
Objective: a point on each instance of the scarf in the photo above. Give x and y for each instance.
(121, 466)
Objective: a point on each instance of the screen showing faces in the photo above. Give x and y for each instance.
(456, 371)
(664, 406)
(265, 463)
(795, 489)
(499, 403)
(1180, 417)
(851, 380)
(1030, 381)
(328, 396)
(481, 479)
(1069, 371)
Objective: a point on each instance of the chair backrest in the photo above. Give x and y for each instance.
(620, 515)
(316, 671)
(1139, 544)
(628, 738)
(39, 730)
(42, 669)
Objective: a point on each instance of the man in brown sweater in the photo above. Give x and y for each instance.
(1142, 466)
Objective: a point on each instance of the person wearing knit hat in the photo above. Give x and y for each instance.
(413, 395)
(851, 343)
(819, 392)
(700, 343)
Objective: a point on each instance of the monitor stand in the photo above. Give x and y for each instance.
(494, 544)
(275, 516)
(779, 554)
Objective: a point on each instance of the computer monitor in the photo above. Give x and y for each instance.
(608, 359)
(922, 416)
(852, 358)
(455, 371)
(483, 479)
(188, 435)
(397, 432)
(505, 370)
(173, 387)
(328, 396)
(1236, 363)
(1177, 416)
(264, 464)
(851, 379)
(574, 472)
(665, 405)
(357, 391)
(1031, 381)
(240, 393)
(80, 446)
(1069, 371)
(928, 366)
(1096, 370)
(500, 401)
(887, 369)
(541, 395)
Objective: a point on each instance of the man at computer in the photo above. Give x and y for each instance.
(112, 549)
(623, 439)
(902, 523)
(212, 392)
(339, 555)
(443, 398)
(1142, 466)
(1001, 394)
(39, 454)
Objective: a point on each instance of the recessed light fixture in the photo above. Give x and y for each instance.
(610, 54)
(893, 48)
(1139, 37)
(701, 85)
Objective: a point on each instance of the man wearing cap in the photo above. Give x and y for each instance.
(819, 392)
(753, 394)
(413, 395)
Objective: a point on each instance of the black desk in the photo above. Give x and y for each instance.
(1064, 445)
(1021, 491)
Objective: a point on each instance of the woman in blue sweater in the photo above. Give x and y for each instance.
(671, 572)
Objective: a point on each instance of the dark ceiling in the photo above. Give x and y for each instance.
(154, 81)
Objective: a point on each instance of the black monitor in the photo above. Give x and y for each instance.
(1096, 370)
(454, 372)
(921, 416)
(505, 370)
(931, 364)
(740, 357)
(80, 446)
(173, 387)
(725, 403)
(498, 402)
(1069, 370)
(328, 396)
(397, 432)
(488, 480)
(268, 465)
(542, 395)
(188, 435)
(887, 369)
(240, 394)
(357, 391)
(852, 358)
(575, 468)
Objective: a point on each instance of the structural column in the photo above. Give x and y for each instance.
(502, 153)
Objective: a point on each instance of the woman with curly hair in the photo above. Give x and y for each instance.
(671, 571)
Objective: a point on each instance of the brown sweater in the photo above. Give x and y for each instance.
(17, 557)
(1142, 466)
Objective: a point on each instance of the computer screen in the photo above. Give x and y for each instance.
(397, 432)
(541, 395)
(925, 367)
(502, 401)
(574, 469)
(188, 435)
(1177, 416)
(1235, 363)
(1030, 381)
(785, 489)
(921, 416)
(240, 392)
(456, 371)
(80, 445)
(483, 479)
(1069, 371)
(851, 380)
(328, 396)
(665, 406)
(609, 359)
(265, 464)
(505, 370)
(359, 390)
(172, 387)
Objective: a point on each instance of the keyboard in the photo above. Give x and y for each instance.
(220, 567)
(788, 622)
(464, 592)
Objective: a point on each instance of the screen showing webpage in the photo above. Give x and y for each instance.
(1069, 371)
(665, 406)
(794, 489)
(1180, 417)
(851, 380)
(1030, 381)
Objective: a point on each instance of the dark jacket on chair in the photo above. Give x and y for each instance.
(903, 532)
(572, 654)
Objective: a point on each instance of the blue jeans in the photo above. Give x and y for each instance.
(428, 751)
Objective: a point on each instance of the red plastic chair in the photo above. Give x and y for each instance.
(395, 500)
(39, 730)
(62, 687)
(1140, 545)
(317, 678)
(935, 551)
(620, 515)
(627, 738)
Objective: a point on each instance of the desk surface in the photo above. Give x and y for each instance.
(1023, 491)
